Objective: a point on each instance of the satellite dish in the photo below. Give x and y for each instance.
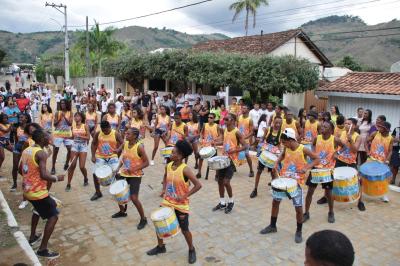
(395, 67)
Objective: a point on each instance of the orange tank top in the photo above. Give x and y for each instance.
(163, 122)
(34, 187)
(131, 159)
(80, 133)
(293, 162)
(107, 145)
(210, 134)
(291, 125)
(310, 132)
(325, 150)
(139, 124)
(113, 120)
(175, 186)
(344, 153)
(177, 133)
(244, 126)
(380, 147)
(231, 143)
(338, 131)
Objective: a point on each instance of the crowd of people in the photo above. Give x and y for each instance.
(114, 130)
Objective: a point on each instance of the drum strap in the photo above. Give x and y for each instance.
(281, 190)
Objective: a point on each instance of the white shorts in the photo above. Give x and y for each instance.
(112, 162)
(298, 199)
(57, 142)
(79, 146)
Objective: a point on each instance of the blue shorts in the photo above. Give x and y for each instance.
(18, 147)
(4, 142)
(57, 142)
(298, 199)
(79, 146)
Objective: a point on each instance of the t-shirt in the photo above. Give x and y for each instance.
(269, 114)
(261, 128)
(58, 97)
(22, 103)
(255, 116)
(118, 107)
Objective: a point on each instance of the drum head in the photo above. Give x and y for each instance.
(374, 168)
(283, 183)
(118, 186)
(343, 173)
(270, 155)
(161, 214)
(103, 171)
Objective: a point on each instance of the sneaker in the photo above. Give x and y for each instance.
(23, 204)
(157, 250)
(151, 162)
(269, 184)
(268, 230)
(229, 208)
(253, 194)
(219, 207)
(96, 196)
(13, 188)
(85, 183)
(361, 206)
(68, 188)
(298, 237)
(66, 167)
(306, 216)
(53, 171)
(119, 214)
(322, 200)
(35, 240)
(142, 224)
(192, 256)
(198, 175)
(331, 217)
(196, 166)
(47, 254)
(385, 199)
(251, 174)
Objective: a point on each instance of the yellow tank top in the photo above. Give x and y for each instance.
(163, 122)
(310, 132)
(325, 150)
(139, 124)
(293, 162)
(80, 133)
(231, 143)
(177, 133)
(176, 186)
(34, 187)
(380, 147)
(113, 120)
(291, 125)
(344, 153)
(131, 159)
(107, 145)
(338, 131)
(244, 126)
(210, 134)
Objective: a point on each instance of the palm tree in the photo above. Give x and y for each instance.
(250, 6)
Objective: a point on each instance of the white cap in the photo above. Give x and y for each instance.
(290, 133)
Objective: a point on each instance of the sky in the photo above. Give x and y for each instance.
(210, 17)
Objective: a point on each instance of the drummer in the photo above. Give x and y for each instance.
(176, 193)
(325, 147)
(245, 126)
(112, 117)
(130, 167)
(295, 166)
(104, 152)
(161, 126)
(193, 136)
(210, 133)
(179, 130)
(270, 142)
(234, 144)
(311, 127)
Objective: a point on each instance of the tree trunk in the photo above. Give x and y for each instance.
(253, 94)
(264, 95)
(246, 27)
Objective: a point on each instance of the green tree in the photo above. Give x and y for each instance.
(2, 56)
(349, 62)
(250, 6)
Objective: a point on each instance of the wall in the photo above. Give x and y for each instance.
(296, 45)
(348, 107)
(294, 101)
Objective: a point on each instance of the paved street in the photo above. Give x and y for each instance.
(86, 234)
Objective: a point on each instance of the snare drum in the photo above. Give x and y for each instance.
(165, 222)
(375, 176)
(323, 175)
(346, 187)
(166, 152)
(120, 191)
(104, 174)
(219, 162)
(284, 188)
(207, 152)
(268, 159)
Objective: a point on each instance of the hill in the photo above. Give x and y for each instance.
(376, 53)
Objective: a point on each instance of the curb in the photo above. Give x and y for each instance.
(18, 235)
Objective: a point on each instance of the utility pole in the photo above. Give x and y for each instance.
(66, 45)
(87, 47)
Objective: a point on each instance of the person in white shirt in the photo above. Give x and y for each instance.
(34, 107)
(58, 98)
(190, 97)
(119, 93)
(74, 92)
(221, 94)
(48, 94)
(119, 104)
(255, 114)
(268, 110)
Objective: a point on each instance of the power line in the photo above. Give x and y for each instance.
(148, 15)
(354, 31)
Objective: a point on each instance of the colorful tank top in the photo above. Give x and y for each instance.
(131, 159)
(338, 131)
(231, 143)
(5, 134)
(193, 129)
(31, 142)
(291, 125)
(22, 137)
(91, 119)
(163, 122)
(244, 126)
(139, 124)
(210, 134)
(46, 121)
(63, 130)
(380, 147)
(79, 134)
(325, 150)
(310, 132)
(113, 120)
(177, 133)
(175, 186)
(344, 153)
(34, 187)
(293, 162)
(107, 145)
(271, 141)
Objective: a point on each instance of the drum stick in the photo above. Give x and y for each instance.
(351, 126)
(72, 162)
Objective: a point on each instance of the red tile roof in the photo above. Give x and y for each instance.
(365, 82)
(260, 44)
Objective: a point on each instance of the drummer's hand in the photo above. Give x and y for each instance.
(60, 177)
(162, 193)
(93, 159)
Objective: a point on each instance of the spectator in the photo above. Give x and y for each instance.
(364, 128)
(180, 101)
(360, 115)
(204, 111)
(12, 111)
(215, 109)
(58, 98)
(302, 117)
(119, 93)
(185, 112)
(221, 94)
(234, 107)
(166, 102)
(255, 115)
(119, 104)
(190, 97)
(224, 113)
(334, 113)
(395, 159)
(22, 102)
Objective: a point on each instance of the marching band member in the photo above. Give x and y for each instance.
(234, 144)
(131, 164)
(193, 136)
(112, 117)
(339, 127)
(295, 166)
(178, 130)
(138, 122)
(126, 116)
(310, 131)
(162, 124)
(290, 122)
(245, 126)
(46, 118)
(91, 118)
(104, 148)
(325, 147)
(176, 193)
(271, 141)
